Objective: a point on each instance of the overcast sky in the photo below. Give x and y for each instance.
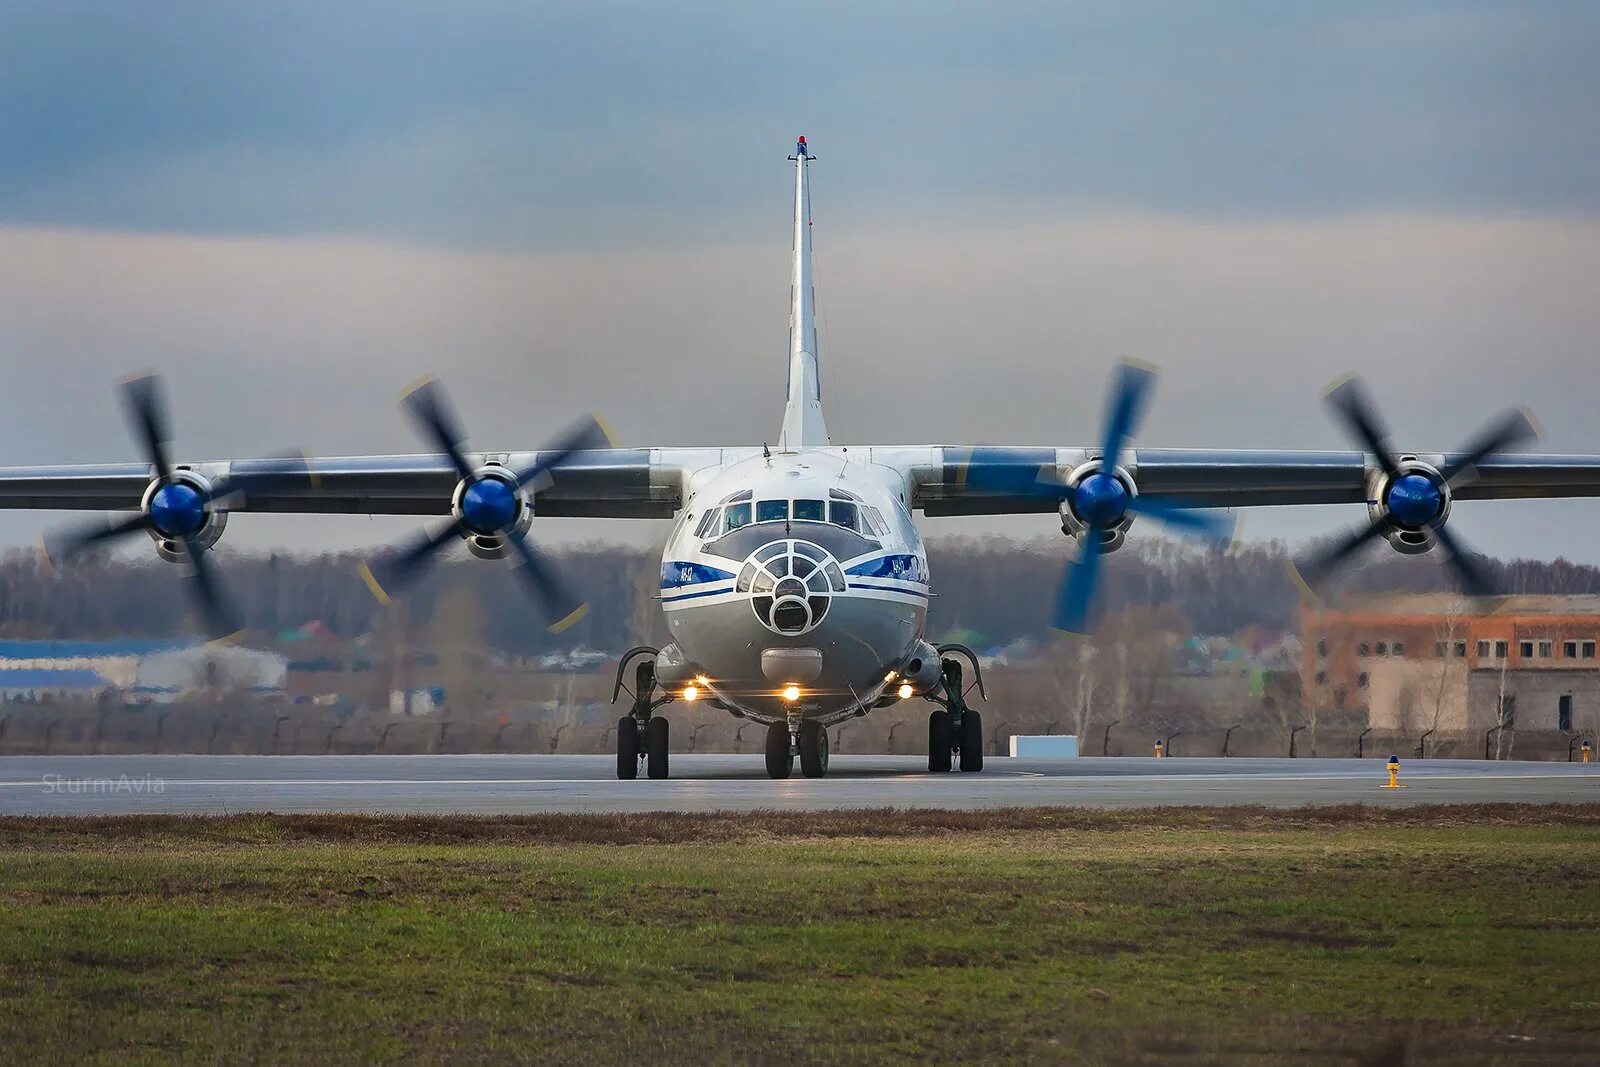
(295, 209)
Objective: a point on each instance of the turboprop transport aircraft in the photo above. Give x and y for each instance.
(794, 582)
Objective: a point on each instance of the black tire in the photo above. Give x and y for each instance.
(938, 740)
(655, 747)
(813, 750)
(780, 760)
(971, 741)
(627, 749)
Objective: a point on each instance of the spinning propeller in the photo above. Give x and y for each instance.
(181, 510)
(1105, 498)
(492, 508)
(1410, 500)
(1099, 499)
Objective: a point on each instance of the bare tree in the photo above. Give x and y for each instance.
(1449, 631)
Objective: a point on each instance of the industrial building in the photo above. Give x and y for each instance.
(1453, 666)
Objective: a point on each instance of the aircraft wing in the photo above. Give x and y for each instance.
(599, 483)
(1001, 480)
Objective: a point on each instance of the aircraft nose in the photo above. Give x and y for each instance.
(791, 585)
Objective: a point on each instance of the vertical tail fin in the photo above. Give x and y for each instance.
(802, 415)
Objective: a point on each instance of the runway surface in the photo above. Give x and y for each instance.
(102, 785)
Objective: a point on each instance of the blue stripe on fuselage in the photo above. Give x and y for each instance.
(904, 567)
(676, 574)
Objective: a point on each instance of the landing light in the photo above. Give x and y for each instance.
(889, 677)
(690, 692)
(791, 693)
(905, 690)
(702, 681)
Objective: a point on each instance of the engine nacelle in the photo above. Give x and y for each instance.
(1415, 502)
(488, 505)
(1098, 508)
(177, 507)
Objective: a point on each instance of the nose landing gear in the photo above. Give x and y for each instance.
(808, 740)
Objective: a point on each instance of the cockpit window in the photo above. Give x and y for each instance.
(875, 520)
(708, 523)
(810, 511)
(843, 513)
(735, 516)
(772, 510)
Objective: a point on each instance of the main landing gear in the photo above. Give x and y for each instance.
(955, 731)
(641, 734)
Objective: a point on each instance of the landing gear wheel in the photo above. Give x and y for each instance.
(813, 750)
(655, 747)
(627, 748)
(971, 741)
(938, 740)
(780, 759)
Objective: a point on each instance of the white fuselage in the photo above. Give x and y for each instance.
(801, 570)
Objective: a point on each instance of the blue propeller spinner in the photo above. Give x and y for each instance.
(180, 505)
(1411, 500)
(491, 504)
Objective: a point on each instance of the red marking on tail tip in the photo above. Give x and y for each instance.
(802, 139)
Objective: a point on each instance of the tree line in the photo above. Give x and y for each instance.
(997, 589)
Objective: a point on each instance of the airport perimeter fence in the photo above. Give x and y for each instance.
(277, 728)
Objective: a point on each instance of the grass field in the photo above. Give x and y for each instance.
(1345, 936)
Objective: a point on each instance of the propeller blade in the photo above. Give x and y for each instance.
(147, 415)
(541, 581)
(389, 576)
(61, 547)
(1473, 581)
(1210, 523)
(217, 616)
(586, 433)
(1350, 402)
(428, 406)
(1313, 571)
(1511, 429)
(1128, 392)
(1076, 592)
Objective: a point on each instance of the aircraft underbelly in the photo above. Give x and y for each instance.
(859, 639)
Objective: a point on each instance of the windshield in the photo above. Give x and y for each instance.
(735, 516)
(810, 511)
(772, 510)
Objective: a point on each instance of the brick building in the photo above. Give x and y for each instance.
(1457, 666)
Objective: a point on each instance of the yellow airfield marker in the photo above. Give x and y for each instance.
(1394, 774)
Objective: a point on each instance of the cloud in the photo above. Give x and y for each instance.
(515, 125)
(968, 331)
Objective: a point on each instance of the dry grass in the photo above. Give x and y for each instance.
(683, 828)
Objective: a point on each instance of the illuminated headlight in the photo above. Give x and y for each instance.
(905, 691)
(691, 692)
(791, 693)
